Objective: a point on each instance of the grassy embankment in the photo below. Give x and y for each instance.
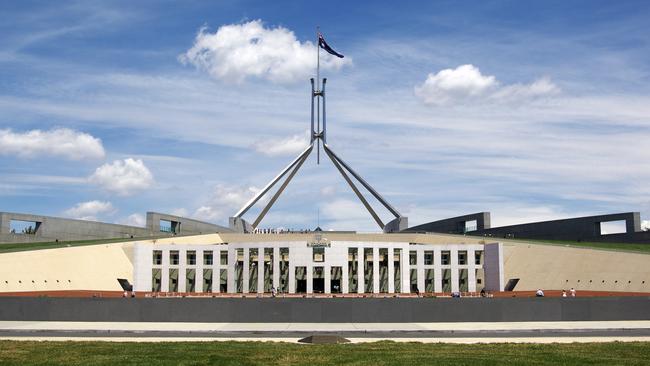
(266, 353)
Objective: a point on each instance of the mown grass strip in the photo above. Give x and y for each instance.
(267, 353)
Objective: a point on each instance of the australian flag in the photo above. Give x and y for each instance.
(322, 44)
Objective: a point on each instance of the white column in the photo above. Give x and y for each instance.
(292, 275)
(246, 271)
(276, 267)
(198, 278)
(437, 272)
(164, 281)
(345, 279)
(232, 261)
(391, 270)
(361, 285)
(182, 260)
(310, 279)
(260, 270)
(454, 269)
(375, 270)
(471, 271)
(406, 269)
(327, 274)
(420, 254)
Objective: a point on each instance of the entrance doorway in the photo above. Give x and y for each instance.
(301, 280)
(319, 280)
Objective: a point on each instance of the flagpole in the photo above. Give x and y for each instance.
(318, 91)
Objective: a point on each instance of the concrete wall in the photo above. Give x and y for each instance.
(187, 226)
(333, 310)
(585, 229)
(55, 228)
(454, 225)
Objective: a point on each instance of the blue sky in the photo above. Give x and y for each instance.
(530, 110)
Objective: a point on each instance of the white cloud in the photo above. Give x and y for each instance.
(236, 52)
(60, 142)
(467, 83)
(123, 177)
(344, 214)
(89, 210)
(134, 220)
(225, 201)
(289, 146)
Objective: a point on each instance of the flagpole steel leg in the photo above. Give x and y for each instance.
(281, 189)
(354, 188)
(257, 197)
(365, 184)
(324, 132)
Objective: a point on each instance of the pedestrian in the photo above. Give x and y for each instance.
(572, 292)
(274, 291)
(563, 293)
(539, 293)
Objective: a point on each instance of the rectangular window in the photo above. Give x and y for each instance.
(428, 280)
(207, 280)
(612, 227)
(462, 257)
(157, 257)
(478, 257)
(239, 270)
(191, 257)
(268, 269)
(252, 270)
(173, 280)
(207, 258)
(428, 257)
(413, 257)
(173, 257)
(190, 277)
(446, 280)
(224, 257)
(318, 254)
(383, 270)
(156, 277)
(223, 280)
(445, 257)
(368, 270)
(23, 227)
(398, 270)
(463, 283)
(414, 281)
(353, 263)
(471, 225)
(284, 270)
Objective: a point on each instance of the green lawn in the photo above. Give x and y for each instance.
(380, 353)
(627, 247)
(19, 247)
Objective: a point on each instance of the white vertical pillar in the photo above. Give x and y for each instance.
(292, 275)
(471, 271)
(310, 279)
(454, 269)
(361, 281)
(198, 278)
(164, 281)
(420, 254)
(437, 271)
(345, 276)
(276, 266)
(391, 270)
(246, 270)
(375, 270)
(182, 260)
(327, 274)
(260, 270)
(406, 269)
(232, 261)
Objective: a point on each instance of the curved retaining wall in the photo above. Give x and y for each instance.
(314, 310)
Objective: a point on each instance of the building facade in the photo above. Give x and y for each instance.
(318, 266)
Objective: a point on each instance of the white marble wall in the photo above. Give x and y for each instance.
(300, 254)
